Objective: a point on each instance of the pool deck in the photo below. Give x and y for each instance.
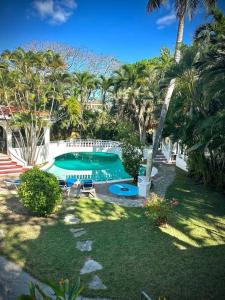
(161, 182)
(164, 178)
(104, 194)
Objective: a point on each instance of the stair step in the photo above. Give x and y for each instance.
(10, 163)
(11, 172)
(3, 160)
(10, 167)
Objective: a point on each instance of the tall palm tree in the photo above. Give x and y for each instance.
(85, 83)
(104, 84)
(134, 96)
(181, 7)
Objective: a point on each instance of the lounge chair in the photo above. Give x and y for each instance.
(12, 183)
(70, 181)
(64, 187)
(87, 186)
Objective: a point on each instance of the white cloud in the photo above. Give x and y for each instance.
(166, 20)
(54, 11)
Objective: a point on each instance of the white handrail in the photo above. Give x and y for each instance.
(17, 158)
(88, 143)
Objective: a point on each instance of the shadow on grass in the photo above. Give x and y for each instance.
(186, 260)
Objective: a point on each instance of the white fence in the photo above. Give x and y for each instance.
(49, 151)
(169, 149)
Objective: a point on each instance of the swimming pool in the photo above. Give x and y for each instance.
(98, 166)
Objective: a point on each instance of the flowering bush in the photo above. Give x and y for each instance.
(157, 209)
(64, 290)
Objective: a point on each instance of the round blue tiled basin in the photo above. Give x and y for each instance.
(123, 189)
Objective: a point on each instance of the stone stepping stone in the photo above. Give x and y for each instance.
(2, 234)
(69, 208)
(77, 232)
(84, 246)
(90, 266)
(96, 284)
(71, 219)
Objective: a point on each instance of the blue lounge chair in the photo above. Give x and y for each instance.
(87, 186)
(12, 183)
(70, 181)
(64, 187)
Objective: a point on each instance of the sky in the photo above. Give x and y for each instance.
(120, 28)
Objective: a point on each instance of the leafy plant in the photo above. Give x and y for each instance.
(39, 191)
(132, 156)
(62, 291)
(157, 209)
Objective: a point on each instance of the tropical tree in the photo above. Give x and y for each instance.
(30, 92)
(84, 84)
(105, 84)
(181, 7)
(135, 100)
(196, 116)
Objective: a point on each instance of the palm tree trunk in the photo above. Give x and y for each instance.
(166, 103)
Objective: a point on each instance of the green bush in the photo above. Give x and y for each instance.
(132, 156)
(39, 191)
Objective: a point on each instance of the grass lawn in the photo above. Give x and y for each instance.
(186, 260)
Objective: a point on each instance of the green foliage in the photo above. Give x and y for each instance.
(124, 130)
(132, 155)
(157, 209)
(62, 291)
(196, 115)
(39, 191)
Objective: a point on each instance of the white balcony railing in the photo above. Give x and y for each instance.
(88, 143)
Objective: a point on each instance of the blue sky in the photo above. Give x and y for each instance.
(121, 28)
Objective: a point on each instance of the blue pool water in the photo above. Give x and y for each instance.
(98, 166)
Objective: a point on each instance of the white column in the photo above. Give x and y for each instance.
(47, 135)
(47, 142)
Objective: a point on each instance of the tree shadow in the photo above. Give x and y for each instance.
(186, 260)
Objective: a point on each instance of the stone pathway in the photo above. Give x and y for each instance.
(71, 219)
(2, 234)
(84, 246)
(90, 266)
(14, 281)
(77, 232)
(96, 284)
(126, 202)
(164, 178)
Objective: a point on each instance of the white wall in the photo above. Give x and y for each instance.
(167, 148)
(58, 148)
(181, 162)
(49, 151)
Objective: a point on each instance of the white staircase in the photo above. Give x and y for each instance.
(160, 158)
(9, 167)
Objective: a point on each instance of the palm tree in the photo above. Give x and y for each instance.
(85, 84)
(181, 7)
(104, 84)
(134, 96)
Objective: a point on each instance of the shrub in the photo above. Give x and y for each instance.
(157, 209)
(39, 191)
(131, 157)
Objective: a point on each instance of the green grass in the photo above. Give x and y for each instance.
(186, 260)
